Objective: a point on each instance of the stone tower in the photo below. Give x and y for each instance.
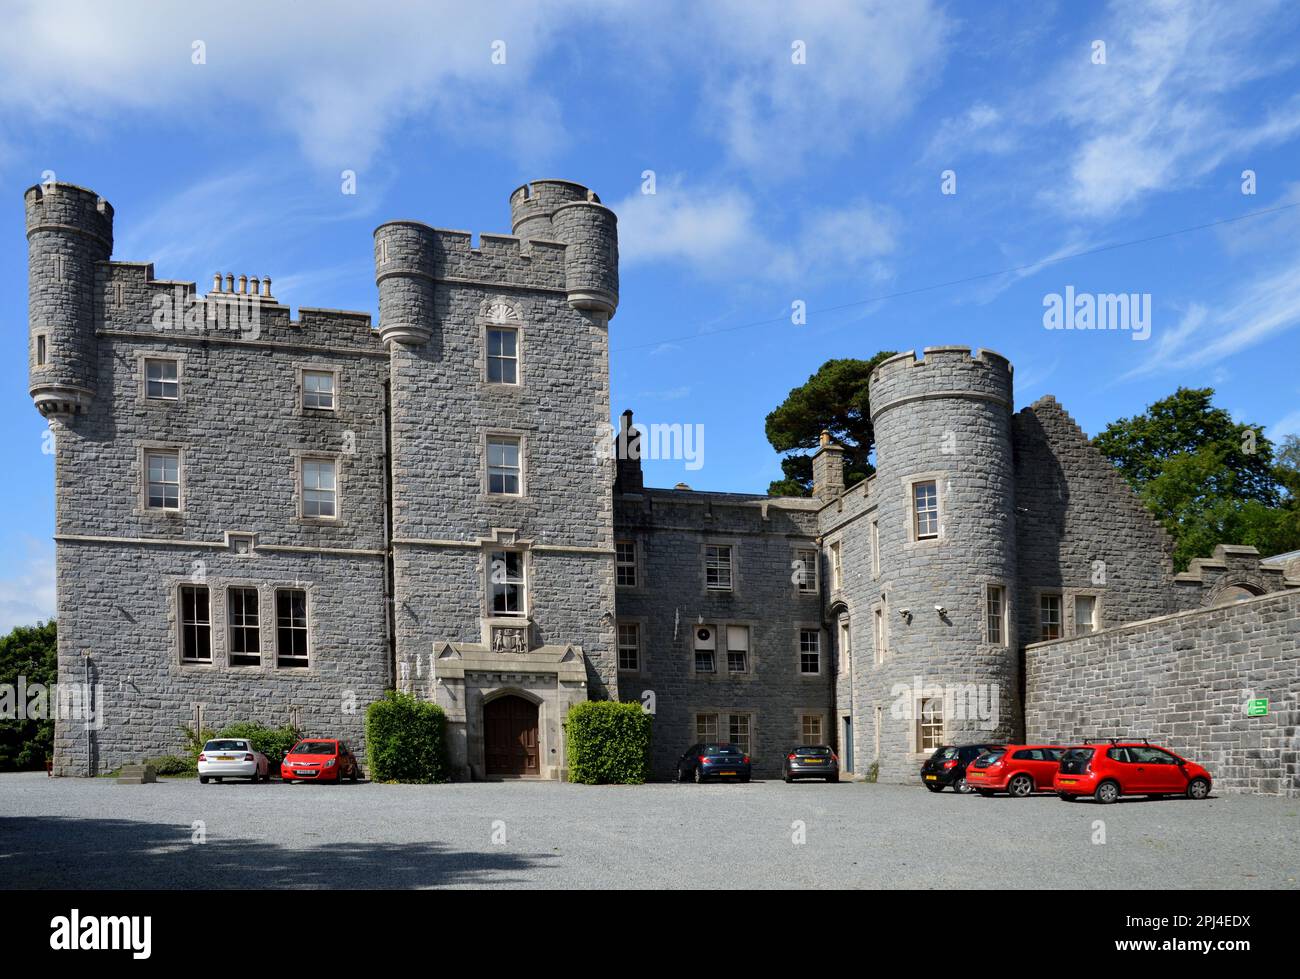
(945, 514)
(69, 231)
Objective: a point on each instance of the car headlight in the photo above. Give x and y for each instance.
(330, 763)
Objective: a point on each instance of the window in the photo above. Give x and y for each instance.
(810, 651)
(929, 735)
(40, 350)
(503, 356)
(705, 647)
(1049, 616)
(878, 634)
(737, 649)
(318, 390)
(810, 728)
(1085, 614)
(738, 731)
(196, 625)
(995, 611)
(503, 466)
(925, 505)
(806, 573)
(163, 489)
(319, 489)
(245, 634)
(706, 727)
(875, 548)
(837, 569)
(291, 627)
(717, 567)
(846, 645)
(625, 563)
(629, 646)
(509, 588)
(161, 380)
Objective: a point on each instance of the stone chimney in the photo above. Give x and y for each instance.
(828, 469)
(627, 450)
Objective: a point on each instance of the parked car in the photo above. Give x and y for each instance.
(811, 761)
(223, 758)
(1018, 770)
(713, 761)
(1115, 768)
(319, 760)
(947, 766)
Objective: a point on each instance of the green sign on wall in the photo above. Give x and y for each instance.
(1257, 708)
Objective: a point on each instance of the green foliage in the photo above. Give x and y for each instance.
(833, 400)
(873, 773)
(274, 742)
(172, 765)
(608, 742)
(1208, 479)
(30, 652)
(406, 740)
(194, 741)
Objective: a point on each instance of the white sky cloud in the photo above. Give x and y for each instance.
(27, 587)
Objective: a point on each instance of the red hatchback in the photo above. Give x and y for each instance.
(1018, 769)
(1108, 771)
(319, 760)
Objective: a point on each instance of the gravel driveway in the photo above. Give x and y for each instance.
(94, 833)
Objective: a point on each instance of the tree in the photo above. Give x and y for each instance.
(1207, 479)
(30, 652)
(833, 400)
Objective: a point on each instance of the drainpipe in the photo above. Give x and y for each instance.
(390, 626)
(85, 710)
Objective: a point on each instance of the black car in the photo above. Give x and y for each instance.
(947, 766)
(811, 761)
(713, 761)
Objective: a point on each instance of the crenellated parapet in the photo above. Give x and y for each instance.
(944, 372)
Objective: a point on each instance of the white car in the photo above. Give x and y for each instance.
(232, 758)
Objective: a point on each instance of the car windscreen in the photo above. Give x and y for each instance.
(722, 749)
(812, 749)
(313, 748)
(226, 746)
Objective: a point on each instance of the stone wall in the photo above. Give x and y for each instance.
(1183, 681)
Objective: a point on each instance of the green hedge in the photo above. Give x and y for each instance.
(406, 740)
(608, 742)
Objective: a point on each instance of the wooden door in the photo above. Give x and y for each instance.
(510, 737)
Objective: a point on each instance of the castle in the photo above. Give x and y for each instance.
(276, 519)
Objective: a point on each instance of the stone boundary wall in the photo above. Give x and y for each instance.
(1183, 680)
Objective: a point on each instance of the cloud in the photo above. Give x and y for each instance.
(337, 76)
(27, 589)
(716, 232)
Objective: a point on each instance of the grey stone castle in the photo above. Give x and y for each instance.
(267, 518)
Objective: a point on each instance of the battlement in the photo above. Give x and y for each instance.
(953, 371)
(533, 204)
(415, 248)
(64, 207)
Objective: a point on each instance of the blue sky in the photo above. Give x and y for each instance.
(774, 181)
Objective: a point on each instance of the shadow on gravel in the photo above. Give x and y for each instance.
(50, 852)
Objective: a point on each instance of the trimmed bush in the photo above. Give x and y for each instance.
(274, 742)
(406, 740)
(172, 765)
(608, 742)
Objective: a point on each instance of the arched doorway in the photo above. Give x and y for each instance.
(510, 737)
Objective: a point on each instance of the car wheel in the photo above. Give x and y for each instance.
(681, 776)
(787, 779)
(933, 788)
(961, 786)
(1020, 786)
(203, 780)
(699, 776)
(1198, 789)
(353, 776)
(1106, 793)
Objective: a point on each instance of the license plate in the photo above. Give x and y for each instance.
(976, 774)
(813, 761)
(932, 778)
(225, 757)
(1068, 781)
(726, 773)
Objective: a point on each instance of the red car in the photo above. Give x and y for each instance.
(319, 760)
(1018, 769)
(1115, 768)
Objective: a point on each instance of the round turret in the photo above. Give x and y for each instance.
(562, 211)
(69, 231)
(404, 275)
(945, 506)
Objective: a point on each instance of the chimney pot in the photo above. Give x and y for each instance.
(230, 282)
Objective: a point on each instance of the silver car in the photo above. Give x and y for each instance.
(223, 758)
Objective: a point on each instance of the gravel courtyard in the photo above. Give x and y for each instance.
(79, 833)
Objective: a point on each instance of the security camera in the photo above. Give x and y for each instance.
(941, 610)
(905, 612)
